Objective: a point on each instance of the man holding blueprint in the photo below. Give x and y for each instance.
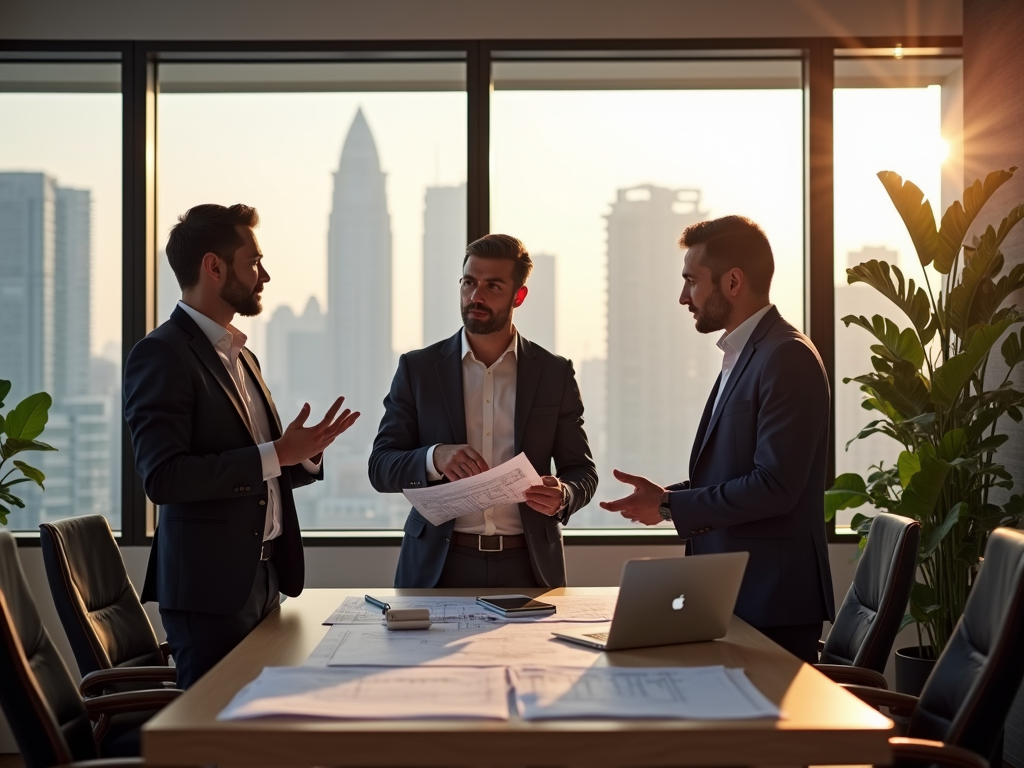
(470, 429)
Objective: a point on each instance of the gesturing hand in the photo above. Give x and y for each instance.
(546, 498)
(642, 504)
(300, 442)
(458, 461)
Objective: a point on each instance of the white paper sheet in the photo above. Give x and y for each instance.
(504, 484)
(699, 693)
(467, 644)
(454, 610)
(373, 693)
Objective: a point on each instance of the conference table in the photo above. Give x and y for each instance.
(821, 723)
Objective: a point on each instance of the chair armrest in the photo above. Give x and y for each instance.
(898, 703)
(132, 701)
(165, 651)
(94, 683)
(934, 752)
(843, 673)
(107, 762)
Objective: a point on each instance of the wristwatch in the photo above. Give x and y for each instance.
(665, 509)
(565, 496)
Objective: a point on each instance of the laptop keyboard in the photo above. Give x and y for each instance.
(598, 636)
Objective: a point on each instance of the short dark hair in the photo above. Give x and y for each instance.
(733, 241)
(506, 248)
(202, 229)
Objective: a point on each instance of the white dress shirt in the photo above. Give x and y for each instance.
(489, 397)
(732, 345)
(228, 343)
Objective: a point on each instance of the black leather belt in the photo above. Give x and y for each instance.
(268, 550)
(488, 543)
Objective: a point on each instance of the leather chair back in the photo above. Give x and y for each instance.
(869, 618)
(38, 696)
(97, 604)
(969, 693)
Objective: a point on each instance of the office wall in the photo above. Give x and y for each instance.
(994, 138)
(455, 19)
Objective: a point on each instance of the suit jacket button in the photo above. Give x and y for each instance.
(248, 488)
(255, 533)
(263, 503)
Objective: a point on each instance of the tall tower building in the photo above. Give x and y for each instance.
(444, 246)
(72, 283)
(359, 284)
(536, 318)
(28, 252)
(660, 370)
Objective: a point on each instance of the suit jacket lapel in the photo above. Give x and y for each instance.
(527, 379)
(208, 355)
(737, 372)
(449, 376)
(705, 420)
(268, 401)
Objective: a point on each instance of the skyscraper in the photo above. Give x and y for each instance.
(536, 318)
(660, 370)
(359, 284)
(444, 246)
(72, 283)
(28, 205)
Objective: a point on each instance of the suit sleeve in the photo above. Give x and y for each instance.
(398, 460)
(158, 406)
(573, 461)
(794, 409)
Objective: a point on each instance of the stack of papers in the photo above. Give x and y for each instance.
(540, 692)
(458, 610)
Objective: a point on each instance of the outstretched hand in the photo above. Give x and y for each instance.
(642, 504)
(300, 442)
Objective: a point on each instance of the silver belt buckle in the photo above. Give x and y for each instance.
(480, 543)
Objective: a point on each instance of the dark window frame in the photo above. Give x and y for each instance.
(139, 247)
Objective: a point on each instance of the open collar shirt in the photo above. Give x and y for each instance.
(732, 345)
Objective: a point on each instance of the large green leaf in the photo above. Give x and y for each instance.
(5, 387)
(4, 512)
(916, 213)
(921, 496)
(13, 446)
(950, 378)
(31, 473)
(911, 299)
(905, 390)
(976, 284)
(908, 464)
(848, 491)
(896, 344)
(953, 444)
(27, 420)
(938, 533)
(1013, 349)
(958, 218)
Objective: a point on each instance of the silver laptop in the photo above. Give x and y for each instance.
(669, 600)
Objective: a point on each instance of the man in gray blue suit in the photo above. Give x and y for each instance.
(757, 467)
(474, 401)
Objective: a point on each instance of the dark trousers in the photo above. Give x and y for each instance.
(800, 639)
(199, 640)
(468, 567)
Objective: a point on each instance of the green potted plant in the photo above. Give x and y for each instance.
(21, 426)
(933, 392)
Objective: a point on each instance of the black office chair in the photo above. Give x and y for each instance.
(110, 634)
(51, 722)
(857, 648)
(960, 714)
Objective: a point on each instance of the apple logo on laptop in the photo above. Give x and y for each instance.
(677, 603)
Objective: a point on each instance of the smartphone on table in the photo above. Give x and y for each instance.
(511, 606)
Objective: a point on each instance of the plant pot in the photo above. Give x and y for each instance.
(913, 666)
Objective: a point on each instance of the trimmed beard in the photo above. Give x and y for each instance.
(715, 313)
(492, 324)
(242, 300)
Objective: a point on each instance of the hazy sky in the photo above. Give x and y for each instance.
(557, 159)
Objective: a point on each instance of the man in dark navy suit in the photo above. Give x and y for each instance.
(211, 451)
(472, 402)
(757, 467)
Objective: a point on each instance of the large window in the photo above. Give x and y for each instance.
(60, 277)
(599, 166)
(897, 113)
(358, 171)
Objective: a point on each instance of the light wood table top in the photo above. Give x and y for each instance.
(821, 724)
